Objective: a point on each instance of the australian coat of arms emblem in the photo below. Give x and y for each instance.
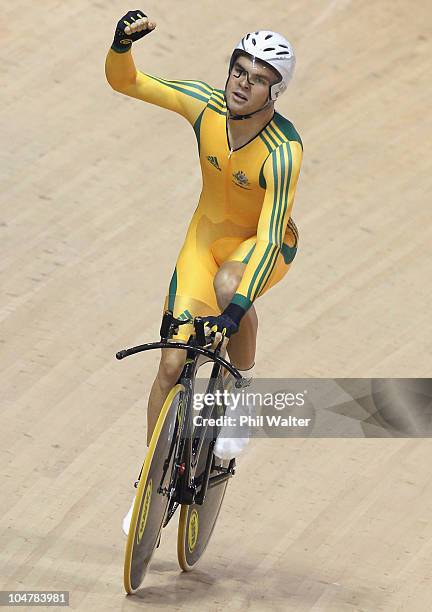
(241, 179)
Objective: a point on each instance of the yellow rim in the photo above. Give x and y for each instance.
(185, 538)
(181, 539)
(143, 480)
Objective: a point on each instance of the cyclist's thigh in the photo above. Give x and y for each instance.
(284, 260)
(191, 292)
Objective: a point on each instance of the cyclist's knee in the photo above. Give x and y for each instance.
(170, 367)
(226, 282)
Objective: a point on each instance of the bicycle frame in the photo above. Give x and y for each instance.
(185, 487)
(192, 489)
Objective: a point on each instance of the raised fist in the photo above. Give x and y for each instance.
(131, 27)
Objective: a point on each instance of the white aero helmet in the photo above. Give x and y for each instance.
(273, 49)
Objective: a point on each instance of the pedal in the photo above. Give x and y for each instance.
(220, 469)
(229, 469)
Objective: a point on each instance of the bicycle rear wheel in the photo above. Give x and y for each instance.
(196, 525)
(152, 496)
(197, 521)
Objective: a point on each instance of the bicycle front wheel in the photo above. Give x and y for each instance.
(152, 496)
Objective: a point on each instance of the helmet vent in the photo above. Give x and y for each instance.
(284, 46)
(247, 37)
(271, 49)
(282, 53)
(253, 41)
(268, 36)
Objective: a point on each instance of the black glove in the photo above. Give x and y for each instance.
(123, 42)
(223, 324)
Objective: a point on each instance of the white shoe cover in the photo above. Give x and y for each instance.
(229, 448)
(127, 519)
(232, 439)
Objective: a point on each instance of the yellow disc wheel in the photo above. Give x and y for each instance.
(196, 526)
(151, 505)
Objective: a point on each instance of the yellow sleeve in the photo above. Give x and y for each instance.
(188, 98)
(281, 171)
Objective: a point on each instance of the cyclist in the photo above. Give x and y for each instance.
(241, 239)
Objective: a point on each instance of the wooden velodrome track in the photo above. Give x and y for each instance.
(97, 191)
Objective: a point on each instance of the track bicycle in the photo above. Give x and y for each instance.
(180, 468)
